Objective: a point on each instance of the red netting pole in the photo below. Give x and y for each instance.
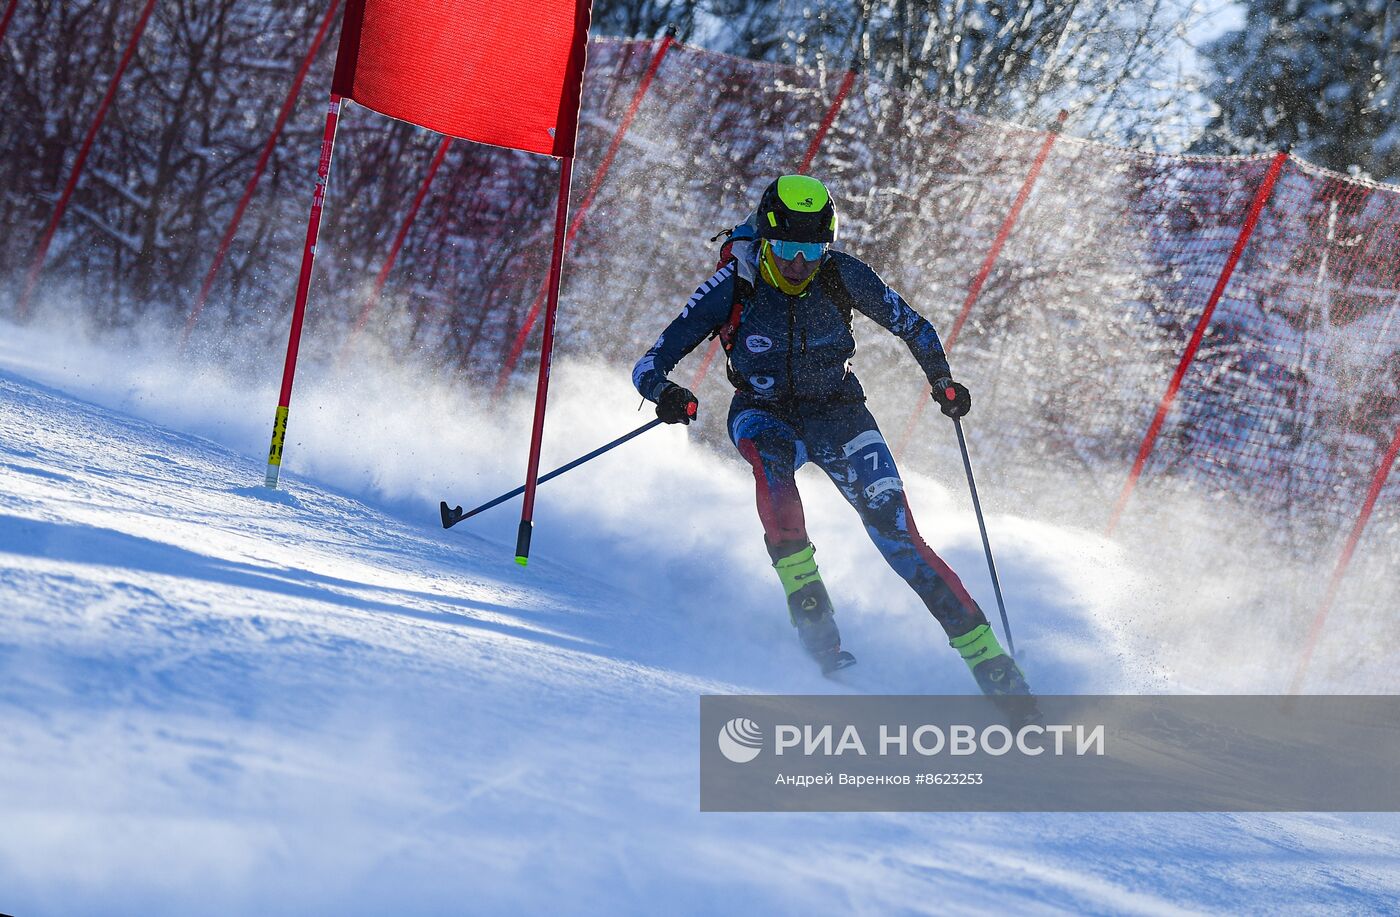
(373, 301)
(827, 120)
(287, 105)
(5, 20)
(517, 346)
(1377, 483)
(988, 263)
(308, 259)
(704, 367)
(1261, 197)
(556, 270)
(42, 254)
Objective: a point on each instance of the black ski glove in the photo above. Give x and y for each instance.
(676, 404)
(952, 397)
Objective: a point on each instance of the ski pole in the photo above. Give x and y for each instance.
(453, 515)
(986, 545)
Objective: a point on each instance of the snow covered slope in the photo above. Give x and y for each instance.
(217, 699)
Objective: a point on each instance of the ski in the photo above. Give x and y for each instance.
(835, 662)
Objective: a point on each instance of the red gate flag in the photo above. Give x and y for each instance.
(503, 72)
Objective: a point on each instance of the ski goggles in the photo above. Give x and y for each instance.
(788, 251)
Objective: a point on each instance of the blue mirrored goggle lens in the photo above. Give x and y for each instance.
(810, 251)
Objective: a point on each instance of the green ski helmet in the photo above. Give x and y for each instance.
(797, 208)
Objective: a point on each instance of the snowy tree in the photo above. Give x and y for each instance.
(1112, 63)
(1316, 76)
(643, 18)
(173, 154)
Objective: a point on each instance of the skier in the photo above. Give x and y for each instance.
(781, 304)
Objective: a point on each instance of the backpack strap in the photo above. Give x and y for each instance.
(730, 329)
(742, 288)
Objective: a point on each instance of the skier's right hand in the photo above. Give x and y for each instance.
(676, 404)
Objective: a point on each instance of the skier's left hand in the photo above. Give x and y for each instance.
(952, 397)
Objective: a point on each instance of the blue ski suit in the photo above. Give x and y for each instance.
(797, 400)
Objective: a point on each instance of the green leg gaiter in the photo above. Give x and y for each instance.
(977, 644)
(797, 569)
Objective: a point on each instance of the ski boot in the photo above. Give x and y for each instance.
(998, 675)
(809, 608)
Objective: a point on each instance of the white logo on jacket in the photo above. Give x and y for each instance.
(757, 343)
(706, 287)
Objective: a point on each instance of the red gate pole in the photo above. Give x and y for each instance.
(556, 270)
(1261, 197)
(517, 347)
(42, 254)
(5, 20)
(373, 301)
(985, 271)
(827, 120)
(308, 258)
(287, 105)
(1377, 482)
